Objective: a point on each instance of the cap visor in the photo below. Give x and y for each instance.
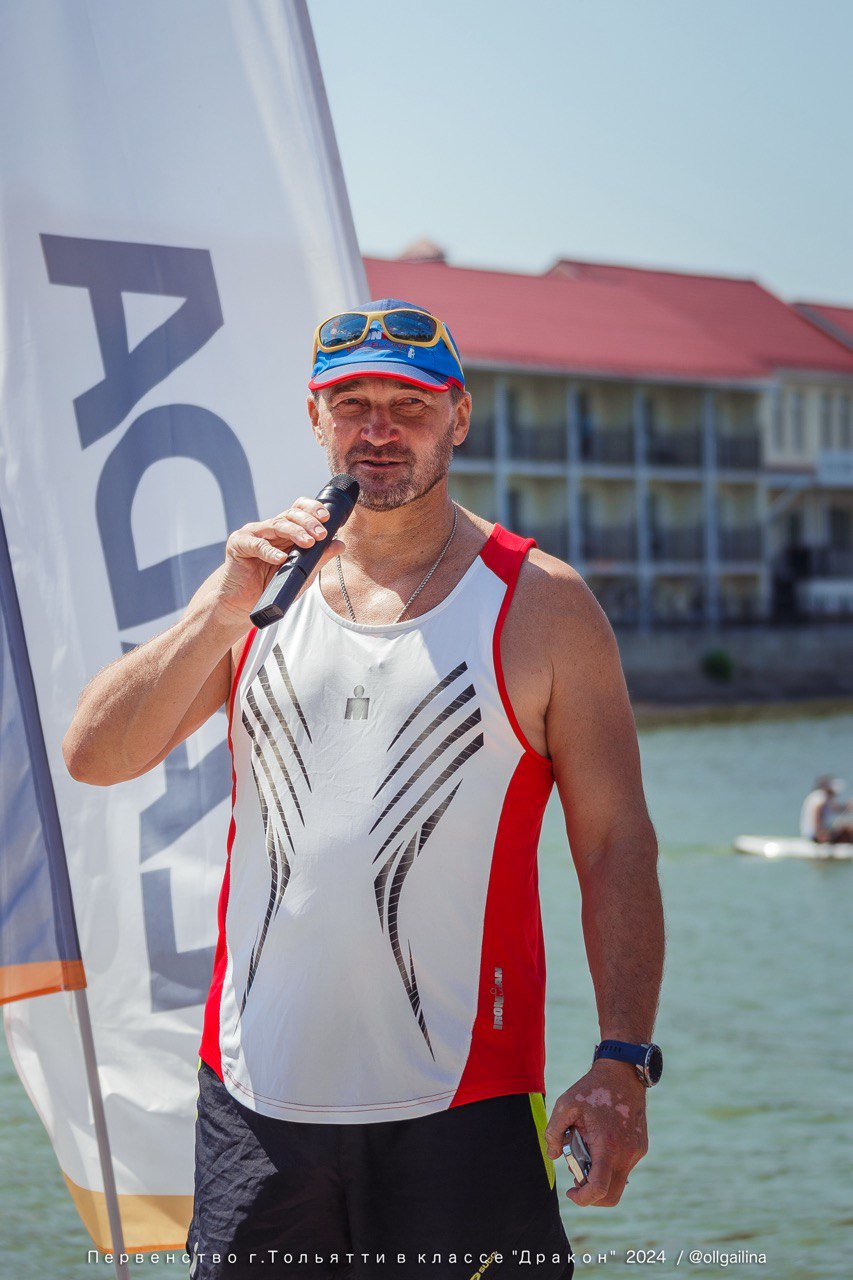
(387, 369)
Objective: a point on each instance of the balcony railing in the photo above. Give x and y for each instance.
(675, 448)
(614, 445)
(480, 440)
(740, 542)
(546, 443)
(685, 609)
(685, 543)
(619, 542)
(741, 451)
(740, 608)
(552, 538)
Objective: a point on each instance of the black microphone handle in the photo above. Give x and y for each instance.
(339, 497)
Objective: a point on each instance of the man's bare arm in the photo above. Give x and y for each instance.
(592, 742)
(132, 714)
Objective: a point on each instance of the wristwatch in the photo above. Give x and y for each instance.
(647, 1058)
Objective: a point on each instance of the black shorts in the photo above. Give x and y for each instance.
(468, 1183)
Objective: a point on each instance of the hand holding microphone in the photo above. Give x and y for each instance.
(256, 552)
(338, 497)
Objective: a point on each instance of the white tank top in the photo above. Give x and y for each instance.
(380, 947)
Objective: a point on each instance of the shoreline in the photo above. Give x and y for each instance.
(666, 715)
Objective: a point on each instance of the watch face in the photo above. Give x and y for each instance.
(654, 1064)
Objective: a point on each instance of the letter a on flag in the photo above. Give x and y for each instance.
(173, 225)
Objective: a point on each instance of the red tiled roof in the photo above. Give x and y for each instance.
(585, 325)
(739, 312)
(836, 321)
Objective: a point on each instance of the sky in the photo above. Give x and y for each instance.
(715, 137)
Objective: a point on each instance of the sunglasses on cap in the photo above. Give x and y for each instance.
(350, 328)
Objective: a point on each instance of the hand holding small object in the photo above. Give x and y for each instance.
(577, 1156)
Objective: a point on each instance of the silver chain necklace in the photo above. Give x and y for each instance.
(417, 591)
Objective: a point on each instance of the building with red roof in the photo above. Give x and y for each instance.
(736, 311)
(551, 325)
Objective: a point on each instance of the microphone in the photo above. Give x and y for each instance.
(339, 497)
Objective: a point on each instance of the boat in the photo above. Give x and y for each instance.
(793, 847)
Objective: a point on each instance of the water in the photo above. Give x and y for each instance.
(750, 1132)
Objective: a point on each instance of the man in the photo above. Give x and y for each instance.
(823, 818)
(371, 1083)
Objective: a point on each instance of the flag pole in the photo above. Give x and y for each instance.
(82, 1003)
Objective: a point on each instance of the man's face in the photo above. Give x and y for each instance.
(395, 439)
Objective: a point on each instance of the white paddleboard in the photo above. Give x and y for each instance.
(793, 847)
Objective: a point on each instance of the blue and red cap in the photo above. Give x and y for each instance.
(378, 356)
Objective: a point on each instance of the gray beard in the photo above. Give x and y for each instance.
(416, 483)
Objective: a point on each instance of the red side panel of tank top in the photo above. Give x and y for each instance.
(507, 1053)
(210, 1050)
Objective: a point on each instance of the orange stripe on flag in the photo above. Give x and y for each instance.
(149, 1223)
(18, 981)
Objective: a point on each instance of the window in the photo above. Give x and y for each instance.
(798, 425)
(512, 406)
(778, 423)
(794, 528)
(840, 528)
(583, 409)
(585, 509)
(845, 424)
(826, 420)
(584, 412)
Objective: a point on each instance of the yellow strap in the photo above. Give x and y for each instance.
(540, 1119)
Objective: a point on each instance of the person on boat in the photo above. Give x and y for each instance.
(823, 818)
(372, 1062)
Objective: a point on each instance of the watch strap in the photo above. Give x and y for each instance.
(646, 1059)
(622, 1051)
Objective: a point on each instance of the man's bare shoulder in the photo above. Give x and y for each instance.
(553, 613)
(550, 592)
(558, 635)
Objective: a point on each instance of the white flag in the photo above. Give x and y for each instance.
(174, 224)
